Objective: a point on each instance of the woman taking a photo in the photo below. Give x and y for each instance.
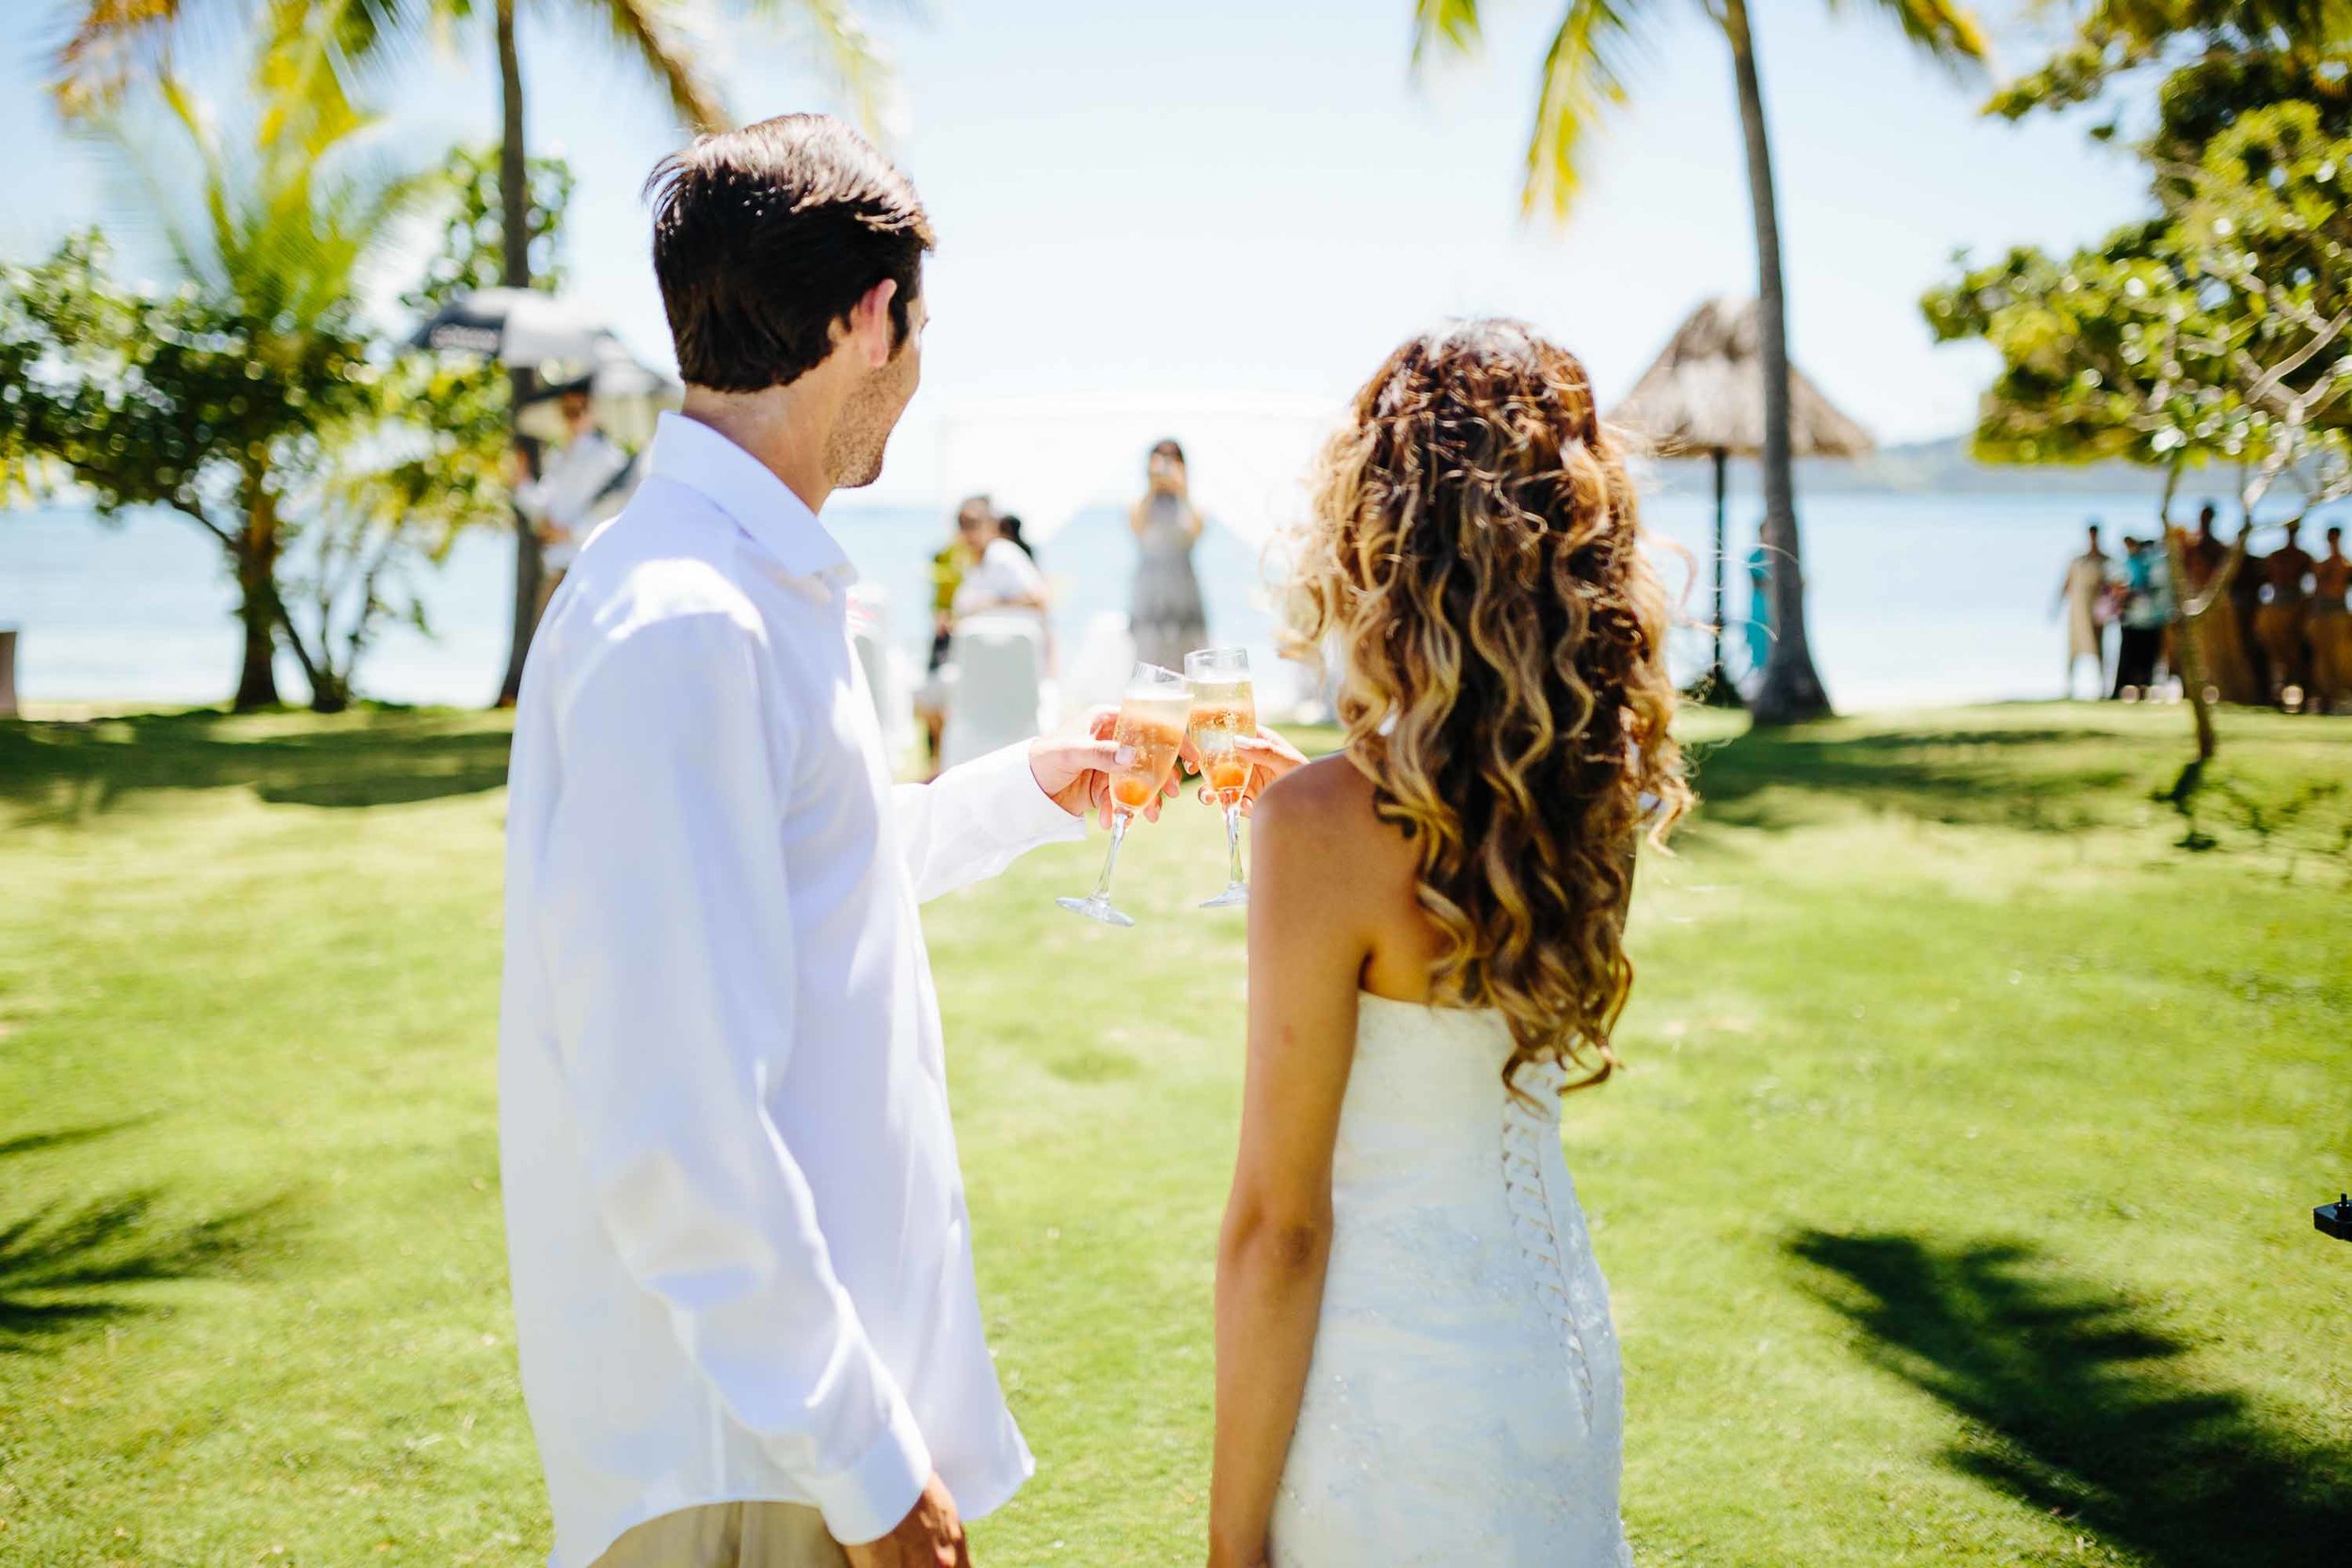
(1167, 616)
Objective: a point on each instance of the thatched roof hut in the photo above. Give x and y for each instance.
(1705, 394)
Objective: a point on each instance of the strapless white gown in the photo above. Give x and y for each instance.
(1465, 1404)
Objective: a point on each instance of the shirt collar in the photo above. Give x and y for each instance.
(689, 452)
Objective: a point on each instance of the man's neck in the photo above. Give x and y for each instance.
(787, 431)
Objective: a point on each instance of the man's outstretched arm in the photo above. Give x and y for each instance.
(979, 817)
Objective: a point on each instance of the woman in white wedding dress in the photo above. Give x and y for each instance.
(1415, 1360)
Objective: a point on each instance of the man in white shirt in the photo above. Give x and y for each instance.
(580, 485)
(747, 1321)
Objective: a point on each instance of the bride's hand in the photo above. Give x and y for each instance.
(1270, 757)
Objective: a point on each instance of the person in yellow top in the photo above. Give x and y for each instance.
(976, 520)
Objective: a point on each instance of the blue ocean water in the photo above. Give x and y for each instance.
(1914, 598)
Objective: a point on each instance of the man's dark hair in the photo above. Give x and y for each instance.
(766, 236)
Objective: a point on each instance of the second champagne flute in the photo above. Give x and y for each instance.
(1223, 712)
(1150, 731)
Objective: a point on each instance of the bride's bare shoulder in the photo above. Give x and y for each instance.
(1326, 810)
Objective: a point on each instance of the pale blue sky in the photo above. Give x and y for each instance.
(1255, 196)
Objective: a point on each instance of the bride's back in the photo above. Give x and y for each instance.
(1436, 954)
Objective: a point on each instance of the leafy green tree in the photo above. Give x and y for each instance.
(1586, 73)
(318, 46)
(249, 397)
(2211, 56)
(2219, 331)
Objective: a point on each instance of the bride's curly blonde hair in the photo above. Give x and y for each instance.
(1473, 562)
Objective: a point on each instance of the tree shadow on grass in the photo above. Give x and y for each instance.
(64, 772)
(2076, 1405)
(2021, 778)
(70, 1266)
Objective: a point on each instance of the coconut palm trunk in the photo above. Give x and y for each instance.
(515, 220)
(1792, 688)
(257, 603)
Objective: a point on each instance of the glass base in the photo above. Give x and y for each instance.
(1232, 898)
(1096, 909)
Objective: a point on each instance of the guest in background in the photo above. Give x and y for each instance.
(580, 484)
(1759, 622)
(2086, 578)
(1003, 580)
(2279, 619)
(1166, 615)
(2147, 609)
(2332, 625)
(2220, 648)
(2246, 597)
(948, 567)
(1010, 526)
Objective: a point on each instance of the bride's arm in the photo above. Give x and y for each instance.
(1307, 949)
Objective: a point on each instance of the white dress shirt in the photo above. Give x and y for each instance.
(740, 1256)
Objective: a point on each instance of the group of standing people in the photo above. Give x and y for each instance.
(2277, 632)
(989, 568)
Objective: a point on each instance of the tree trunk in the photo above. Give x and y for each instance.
(256, 552)
(1792, 688)
(514, 221)
(2187, 656)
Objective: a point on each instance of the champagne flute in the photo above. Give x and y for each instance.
(1224, 710)
(1149, 733)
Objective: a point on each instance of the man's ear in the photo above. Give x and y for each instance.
(871, 330)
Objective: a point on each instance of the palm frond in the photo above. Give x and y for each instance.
(111, 43)
(834, 34)
(654, 34)
(1583, 79)
(1452, 24)
(1948, 31)
(284, 211)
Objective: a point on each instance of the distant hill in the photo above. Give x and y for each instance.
(1929, 468)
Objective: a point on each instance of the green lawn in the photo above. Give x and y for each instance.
(1957, 1198)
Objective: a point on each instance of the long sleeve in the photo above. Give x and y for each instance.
(976, 819)
(665, 912)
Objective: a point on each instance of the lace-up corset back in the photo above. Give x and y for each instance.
(1465, 1403)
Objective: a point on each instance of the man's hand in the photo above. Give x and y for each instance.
(1076, 769)
(931, 1536)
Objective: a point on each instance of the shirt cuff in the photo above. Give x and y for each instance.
(866, 1501)
(1019, 813)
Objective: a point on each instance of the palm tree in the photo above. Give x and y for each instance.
(1584, 76)
(232, 394)
(317, 43)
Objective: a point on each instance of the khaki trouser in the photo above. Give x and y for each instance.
(729, 1535)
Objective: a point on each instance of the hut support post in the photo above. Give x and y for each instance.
(1718, 678)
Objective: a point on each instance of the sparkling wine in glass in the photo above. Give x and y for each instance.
(1223, 711)
(1150, 731)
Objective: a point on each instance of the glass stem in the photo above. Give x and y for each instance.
(1118, 835)
(1232, 841)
